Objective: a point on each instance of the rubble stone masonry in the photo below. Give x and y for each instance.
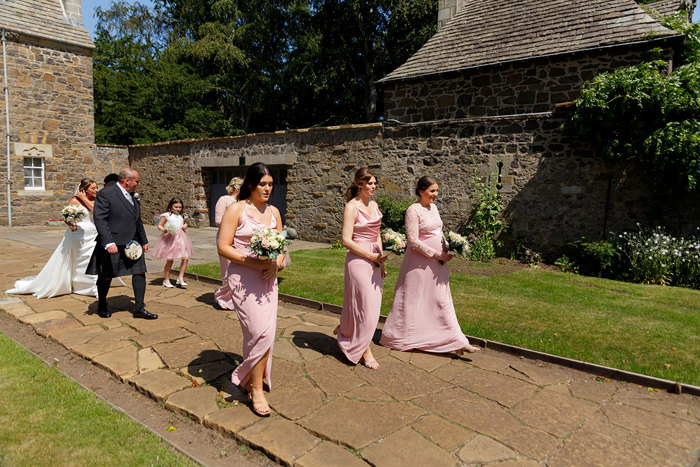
(51, 117)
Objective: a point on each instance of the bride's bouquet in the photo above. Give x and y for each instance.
(393, 241)
(456, 243)
(74, 213)
(269, 243)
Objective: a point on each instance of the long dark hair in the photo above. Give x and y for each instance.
(424, 183)
(362, 176)
(252, 177)
(175, 200)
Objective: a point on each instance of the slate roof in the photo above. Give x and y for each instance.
(666, 7)
(488, 32)
(43, 19)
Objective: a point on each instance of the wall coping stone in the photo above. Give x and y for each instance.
(350, 126)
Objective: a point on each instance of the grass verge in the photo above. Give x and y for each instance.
(47, 419)
(647, 329)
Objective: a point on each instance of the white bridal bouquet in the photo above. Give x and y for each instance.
(268, 243)
(456, 243)
(393, 241)
(74, 213)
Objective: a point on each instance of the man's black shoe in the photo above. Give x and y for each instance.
(145, 314)
(103, 313)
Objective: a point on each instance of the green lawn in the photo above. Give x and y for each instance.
(647, 329)
(47, 419)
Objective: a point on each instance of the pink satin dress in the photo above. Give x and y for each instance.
(422, 315)
(255, 300)
(363, 290)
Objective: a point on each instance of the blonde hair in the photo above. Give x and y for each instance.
(234, 184)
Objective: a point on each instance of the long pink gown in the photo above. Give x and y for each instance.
(422, 316)
(255, 301)
(221, 205)
(363, 290)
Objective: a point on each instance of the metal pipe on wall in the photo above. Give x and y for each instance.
(7, 124)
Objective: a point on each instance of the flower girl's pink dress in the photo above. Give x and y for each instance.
(255, 300)
(363, 290)
(422, 316)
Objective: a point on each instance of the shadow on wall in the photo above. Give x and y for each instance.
(577, 194)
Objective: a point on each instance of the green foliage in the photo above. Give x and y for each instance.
(484, 223)
(393, 211)
(599, 258)
(202, 68)
(644, 115)
(566, 265)
(337, 245)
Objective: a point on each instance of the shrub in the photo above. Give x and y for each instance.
(656, 257)
(600, 258)
(484, 224)
(393, 211)
(566, 265)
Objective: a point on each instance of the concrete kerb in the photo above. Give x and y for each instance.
(592, 368)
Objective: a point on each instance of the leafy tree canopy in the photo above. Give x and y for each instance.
(200, 68)
(645, 115)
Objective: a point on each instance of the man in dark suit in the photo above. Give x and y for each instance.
(118, 220)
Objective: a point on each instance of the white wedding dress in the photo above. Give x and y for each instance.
(64, 273)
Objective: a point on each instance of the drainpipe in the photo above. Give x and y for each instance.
(7, 125)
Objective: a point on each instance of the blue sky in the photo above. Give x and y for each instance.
(89, 8)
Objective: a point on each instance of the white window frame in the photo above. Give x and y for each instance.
(29, 163)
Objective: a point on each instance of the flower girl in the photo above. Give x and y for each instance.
(173, 242)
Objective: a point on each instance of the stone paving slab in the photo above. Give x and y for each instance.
(418, 409)
(281, 439)
(159, 384)
(195, 403)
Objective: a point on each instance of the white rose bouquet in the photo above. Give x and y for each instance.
(268, 243)
(456, 243)
(74, 213)
(393, 241)
(170, 228)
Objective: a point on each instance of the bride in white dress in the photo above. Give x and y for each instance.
(64, 273)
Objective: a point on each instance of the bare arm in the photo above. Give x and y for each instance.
(349, 217)
(229, 224)
(161, 223)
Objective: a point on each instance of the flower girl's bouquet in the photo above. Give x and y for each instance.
(74, 213)
(393, 241)
(170, 228)
(456, 243)
(268, 243)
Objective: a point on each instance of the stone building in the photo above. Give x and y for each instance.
(488, 95)
(48, 55)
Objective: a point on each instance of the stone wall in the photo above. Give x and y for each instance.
(516, 88)
(553, 186)
(110, 159)
(318, 161)
(51, 117)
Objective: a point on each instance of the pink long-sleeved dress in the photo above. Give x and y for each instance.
(422, 315)
(363, 290)
(255, 300)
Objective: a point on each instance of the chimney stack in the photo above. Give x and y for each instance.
(72, 12)
(447, 9)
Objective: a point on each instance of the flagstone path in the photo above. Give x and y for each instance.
(418, 409)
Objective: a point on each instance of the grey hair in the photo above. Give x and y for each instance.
(126, 173)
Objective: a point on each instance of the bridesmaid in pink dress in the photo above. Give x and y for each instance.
(252, 282)
(232, 191)
(422, 316)
(364, 271)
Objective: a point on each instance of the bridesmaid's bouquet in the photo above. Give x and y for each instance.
(269, 243)
(456, 243)
(393, 241)
(74, 213)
